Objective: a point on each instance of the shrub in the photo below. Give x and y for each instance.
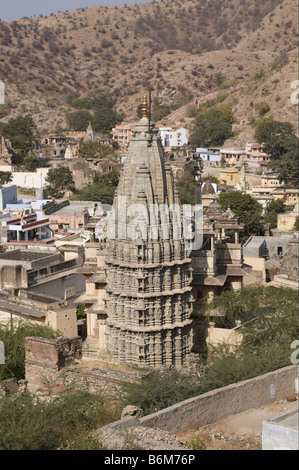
(64, 422)
(13, 337)
(159, 391)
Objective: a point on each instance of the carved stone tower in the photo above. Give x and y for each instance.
(148, 267)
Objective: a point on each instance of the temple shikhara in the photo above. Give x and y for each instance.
(144, 289)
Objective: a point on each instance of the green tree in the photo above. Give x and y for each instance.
(281, 143)
(5, 177)
(211, 128)
(186, 186)
(296, 224)
(58, 181)
(211, 178)
(32, 162)
(13, 336)
(160, 111)
(20, 132)
(95, 100)
(273, 208)
(262, 108)
(95, 150)
(102, 188)
(105, 119)
(79, 120)
(246, 208)
(81, 311)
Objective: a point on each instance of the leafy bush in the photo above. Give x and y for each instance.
(158, 391)
(13, 337)
(64, 422)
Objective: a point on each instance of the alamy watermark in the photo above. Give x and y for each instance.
(295, 94)
(154, 222)
(2, 353)
(295, 354)
(2, 92)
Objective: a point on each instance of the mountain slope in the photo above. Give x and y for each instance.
(240, 51)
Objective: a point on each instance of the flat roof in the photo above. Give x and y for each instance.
(287, 420)
(76, 209)
(19, 255)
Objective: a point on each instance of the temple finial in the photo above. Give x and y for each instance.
(144, 109)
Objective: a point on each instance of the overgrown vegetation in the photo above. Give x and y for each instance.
(246, 208)
(13, 336)
(97, 108)
(63, 422)
(156, 391)
(19, 131)
(102, 188)
(212, 127)
(58, 181)
(270, 324)
(186, 186)
(281, 143)
(95, 150)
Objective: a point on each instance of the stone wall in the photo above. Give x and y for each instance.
(46, 357)
(218, 404)
(51, 364)
(8, 386)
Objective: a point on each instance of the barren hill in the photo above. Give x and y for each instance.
(238, 51)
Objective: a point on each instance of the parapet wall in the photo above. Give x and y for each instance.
(220, 403)
(46, 357)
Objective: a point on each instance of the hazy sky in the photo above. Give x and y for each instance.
(16, 9)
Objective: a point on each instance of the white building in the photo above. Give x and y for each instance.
(173, 136)
(8, 194)
(27, 179)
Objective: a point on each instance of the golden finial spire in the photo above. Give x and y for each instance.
(144, 108)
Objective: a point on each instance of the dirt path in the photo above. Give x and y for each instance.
(242, 431)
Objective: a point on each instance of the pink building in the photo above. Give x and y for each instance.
(75, 216)
(122, 133)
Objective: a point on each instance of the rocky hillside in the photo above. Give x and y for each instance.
(239, 51)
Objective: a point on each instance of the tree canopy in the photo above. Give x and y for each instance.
(273, 208)
(102, 188)
(269, 325)
(95, 150)
(13, 336)
(5, 177)
(246, 208)
(58, 181)
(19, 131)
(281, 143)
(78, 121)
(97, 108)
(186, 186)
(211, 128)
